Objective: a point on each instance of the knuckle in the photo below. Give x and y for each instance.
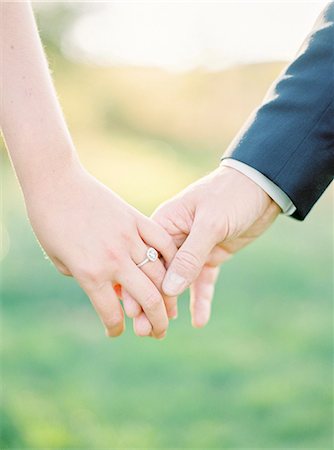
(114, 254)
(215, 229)
(186, 260)
(168, 243)
(88, 274)
(115, 262)
(152, 301)
(127, 233)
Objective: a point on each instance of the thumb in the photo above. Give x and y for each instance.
(188, 261)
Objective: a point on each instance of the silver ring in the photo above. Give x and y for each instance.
(151, 256)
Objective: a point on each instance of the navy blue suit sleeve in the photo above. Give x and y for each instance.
(290, 138)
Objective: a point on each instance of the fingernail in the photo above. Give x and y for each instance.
(173, 284)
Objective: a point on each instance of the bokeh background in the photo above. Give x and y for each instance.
(161, 89)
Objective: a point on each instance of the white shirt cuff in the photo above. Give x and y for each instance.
(276, 193)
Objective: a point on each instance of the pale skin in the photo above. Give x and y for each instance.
(210, 221)
(87, 231)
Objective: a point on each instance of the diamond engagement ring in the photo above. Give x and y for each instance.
(151, 255)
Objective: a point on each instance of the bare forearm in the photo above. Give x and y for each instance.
(79, 222)
(31, 118)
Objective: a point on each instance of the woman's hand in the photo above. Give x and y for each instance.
(87, 231)
(91, 234)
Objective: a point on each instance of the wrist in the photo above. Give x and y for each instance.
(243, 185)
(50, 176)
(237, 202)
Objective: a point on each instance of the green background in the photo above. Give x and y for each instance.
(258, 376)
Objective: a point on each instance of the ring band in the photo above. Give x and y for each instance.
(151, 256)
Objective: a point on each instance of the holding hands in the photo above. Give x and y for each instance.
(92, 234)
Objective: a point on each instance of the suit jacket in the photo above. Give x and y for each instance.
(290, 138)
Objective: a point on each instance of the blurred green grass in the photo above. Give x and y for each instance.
(259, 376)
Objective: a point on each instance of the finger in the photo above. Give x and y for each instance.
(201, 295)
(155, 271)
(218, 255)
(131, 306)
(154, 235)
(141, 288)
(133, 309)
(189, 260)
(142, 326)
(108, 308)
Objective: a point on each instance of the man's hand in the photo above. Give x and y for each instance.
(210, 221)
